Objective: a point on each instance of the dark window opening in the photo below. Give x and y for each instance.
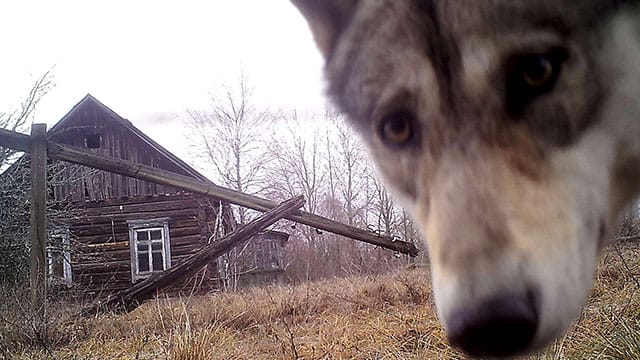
(59, 256)
(93, 141)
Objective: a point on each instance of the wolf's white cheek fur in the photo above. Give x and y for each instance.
(567, 274)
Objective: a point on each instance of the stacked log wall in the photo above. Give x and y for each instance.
(101, 252)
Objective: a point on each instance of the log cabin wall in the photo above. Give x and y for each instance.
(101, 255)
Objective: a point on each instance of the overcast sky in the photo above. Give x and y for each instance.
(150, 60)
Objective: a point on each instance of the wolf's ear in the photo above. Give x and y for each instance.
(327, 19)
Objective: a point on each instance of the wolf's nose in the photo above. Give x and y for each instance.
(501, 326)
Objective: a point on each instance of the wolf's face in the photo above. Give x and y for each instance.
(510, 130)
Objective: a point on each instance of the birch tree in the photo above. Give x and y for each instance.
(229, 139)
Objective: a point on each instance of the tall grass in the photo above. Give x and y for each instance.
(384, 317)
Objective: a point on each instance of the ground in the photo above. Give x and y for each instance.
(384, 317)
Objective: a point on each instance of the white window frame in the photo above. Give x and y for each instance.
(137, 226)
(62, 249)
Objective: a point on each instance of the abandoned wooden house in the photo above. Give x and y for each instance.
(118, 230)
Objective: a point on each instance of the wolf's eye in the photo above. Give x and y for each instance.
(398, 129)
(538, 71)
(531, 75)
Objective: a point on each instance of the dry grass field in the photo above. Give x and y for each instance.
(383, 317)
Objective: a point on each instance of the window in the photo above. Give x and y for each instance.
(93, 141)
(59, 257)
(150, 247)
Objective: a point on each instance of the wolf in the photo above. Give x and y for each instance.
(510, 130)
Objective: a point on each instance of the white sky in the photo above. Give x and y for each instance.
(150, 60)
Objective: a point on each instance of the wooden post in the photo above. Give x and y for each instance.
(38, 278)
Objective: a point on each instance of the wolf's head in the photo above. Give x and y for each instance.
(510, 130)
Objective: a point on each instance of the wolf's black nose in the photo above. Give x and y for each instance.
(501, 326)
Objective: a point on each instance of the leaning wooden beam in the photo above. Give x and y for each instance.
(130, 298)
(163, 177)
(144, 172)
(14, 140)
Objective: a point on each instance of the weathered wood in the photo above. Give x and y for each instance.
(140, 207)
(102, 267)
(86, 243)
(138, 200)
(38, 278)
(82, 230)
(14, 140)
(159, 176)
(95, 219)
(131, 297)
(128, 168)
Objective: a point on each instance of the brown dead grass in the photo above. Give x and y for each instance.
(383, 317)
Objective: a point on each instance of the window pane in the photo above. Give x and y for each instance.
(143, 262)
(156, 234)
(157, 262)
(156, 245)
(143, 235)
(143, 247)
(58, 269)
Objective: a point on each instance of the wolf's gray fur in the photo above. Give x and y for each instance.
(510, 129)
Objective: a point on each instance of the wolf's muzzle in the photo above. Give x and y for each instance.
(501, 326)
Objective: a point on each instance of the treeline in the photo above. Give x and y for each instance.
(280, 154)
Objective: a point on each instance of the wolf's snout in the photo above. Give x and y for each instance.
(501, 326)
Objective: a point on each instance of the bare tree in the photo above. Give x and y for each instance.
(14, 188)
(18, 119)
(350, 195)
(230, 138)
(321, 158)
(297, 168)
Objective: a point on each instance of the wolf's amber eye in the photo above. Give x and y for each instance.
(538, 71)
(397, 129)
(532, 75)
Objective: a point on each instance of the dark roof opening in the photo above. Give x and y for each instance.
(93, 141)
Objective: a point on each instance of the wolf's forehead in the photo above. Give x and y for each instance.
(385, 33)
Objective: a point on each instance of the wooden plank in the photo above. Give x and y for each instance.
(38, 278)
(144, 172)
(184, 213)
(130, 298)
(166, 205)
(141, 200)
(14, 140)
(91, 231)
(89, 241)
(103, 267)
